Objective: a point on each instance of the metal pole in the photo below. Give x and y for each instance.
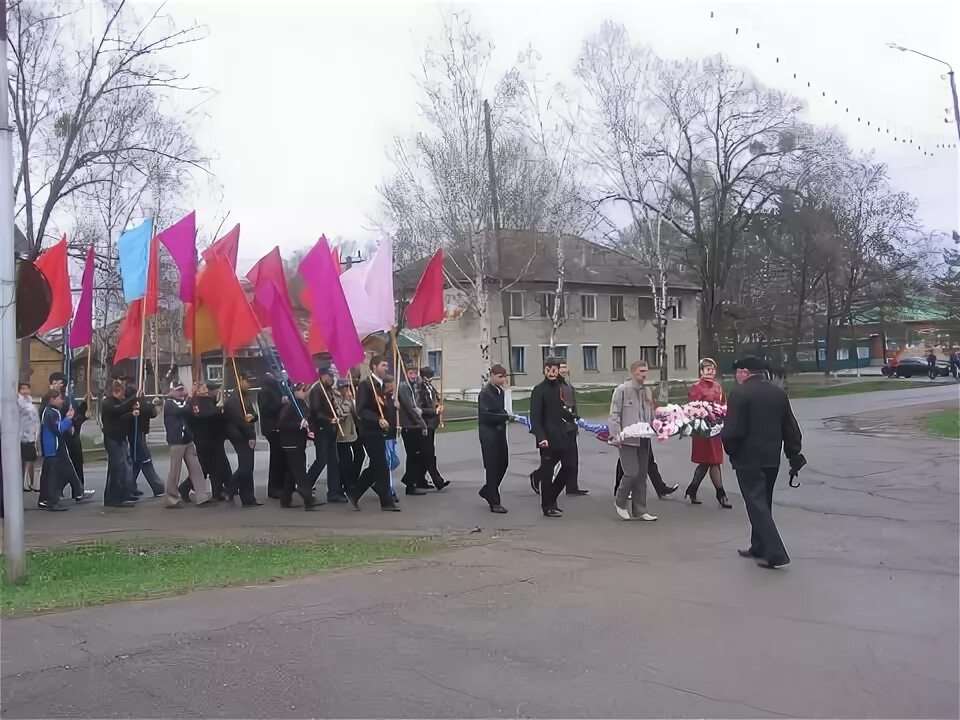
(956, 106)
(15, 562)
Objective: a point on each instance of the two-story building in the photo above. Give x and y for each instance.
(606, 315)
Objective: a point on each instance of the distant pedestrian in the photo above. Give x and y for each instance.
(554, 426)
(377, 422)
(323, 422)
(707, 452)
(295, 431)
(759, 426)
(492, 419)
(29, 433)
(241, 429)
(932, 364)
(632, 403)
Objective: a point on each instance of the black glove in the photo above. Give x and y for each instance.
(796, 463)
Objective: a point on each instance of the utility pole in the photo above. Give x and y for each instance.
(950, 74)
(13, 553)
(495, 207)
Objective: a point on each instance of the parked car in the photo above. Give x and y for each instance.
(914, 366)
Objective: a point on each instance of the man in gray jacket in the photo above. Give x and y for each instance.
(413, 430)
(632, 402)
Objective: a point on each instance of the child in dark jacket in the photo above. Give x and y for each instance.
(57, 471)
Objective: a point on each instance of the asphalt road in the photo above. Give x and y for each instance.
(586, 616)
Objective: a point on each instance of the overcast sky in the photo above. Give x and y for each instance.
(311, 93)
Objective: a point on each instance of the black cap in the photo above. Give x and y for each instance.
(328, 371)
(426, 372)
(57, 377)
(751, 363)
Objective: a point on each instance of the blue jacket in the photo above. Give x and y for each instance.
(53, 426)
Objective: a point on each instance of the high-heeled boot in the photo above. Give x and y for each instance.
(691, 492)
(722, 498)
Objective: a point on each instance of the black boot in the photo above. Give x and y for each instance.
(691, 492)
(722, 498)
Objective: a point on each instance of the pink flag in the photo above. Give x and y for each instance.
(269, 269)
(332, 312)
(287, 337)
(227, 247)
(368, 288)
(180, 240)
(81, 332)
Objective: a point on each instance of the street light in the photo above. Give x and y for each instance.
(953, 82)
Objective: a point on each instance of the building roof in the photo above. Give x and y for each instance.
(532, 257)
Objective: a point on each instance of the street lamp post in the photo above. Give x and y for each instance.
(953, 81)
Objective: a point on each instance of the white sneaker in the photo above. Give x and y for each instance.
(624, 513)
(648, 517)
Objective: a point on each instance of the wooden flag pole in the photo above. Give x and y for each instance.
(156, 352)
(236, 375)
(440, 394)
(89, 380)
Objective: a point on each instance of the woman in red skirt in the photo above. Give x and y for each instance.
(707, 452)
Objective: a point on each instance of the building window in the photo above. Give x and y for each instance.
(675, 308)
(588, 307)
(591, 362)
(557, 351)
(863, 353)
(435, 361)
(547, 302)
(679, 357)
(515, 305)
(843, 353)
(645, 308)
(214, 373)
(619, 357)
(648, 353)
(822, 355)
(518, 359)
(616, 308)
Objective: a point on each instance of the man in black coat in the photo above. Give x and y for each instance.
(413, 431)
(492, 418)
(140, 455)
(569, 394)
(294, 431)
(209, 427)
(431, 407)
(758, 427)
(377, 420)
(241, 427)
(324, 422)
(271, 400)
(554, 427)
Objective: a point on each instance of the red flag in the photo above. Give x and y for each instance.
(316, 343)
(427, 308)
(226, 247)
(53, 264)
(128, 340)
(219, 291)
(269, 269)
(153, 278)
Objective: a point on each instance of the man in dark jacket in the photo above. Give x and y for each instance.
(554, 427)
(57, 471)
(431, 408)
(209, 427)
(376, 415)
(569, 394)
(117, 413)
(324, 422)
(140, 455)
(242, 434)
(177, 412)
(58, 381)
(294, 431)
(270, 401)
(492, 418)
(413, 431)
(759, 426)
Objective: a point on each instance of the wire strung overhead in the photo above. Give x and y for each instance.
(902, 136)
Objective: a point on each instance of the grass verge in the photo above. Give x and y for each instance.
(945, 423)
(70, 577)
(856, 387)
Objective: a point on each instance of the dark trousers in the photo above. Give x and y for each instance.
(214, 464)
(241, 482)
(325, 443)
(67, 473)
(277, 471)
(119, 471)
(416, 469)
(550, 486)
(377, 474)
(496, 458)
(143, 463)
(359, 457)
(756, 485)
(345, 461)
(75, 451)
(430, 457)
(574, 475)
(55, 474)
(653, 472)
(296, 478)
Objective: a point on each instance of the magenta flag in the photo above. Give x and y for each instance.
(180, 240)
(287, 337)
(269, 269)
(331, 311)
(81, 332)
